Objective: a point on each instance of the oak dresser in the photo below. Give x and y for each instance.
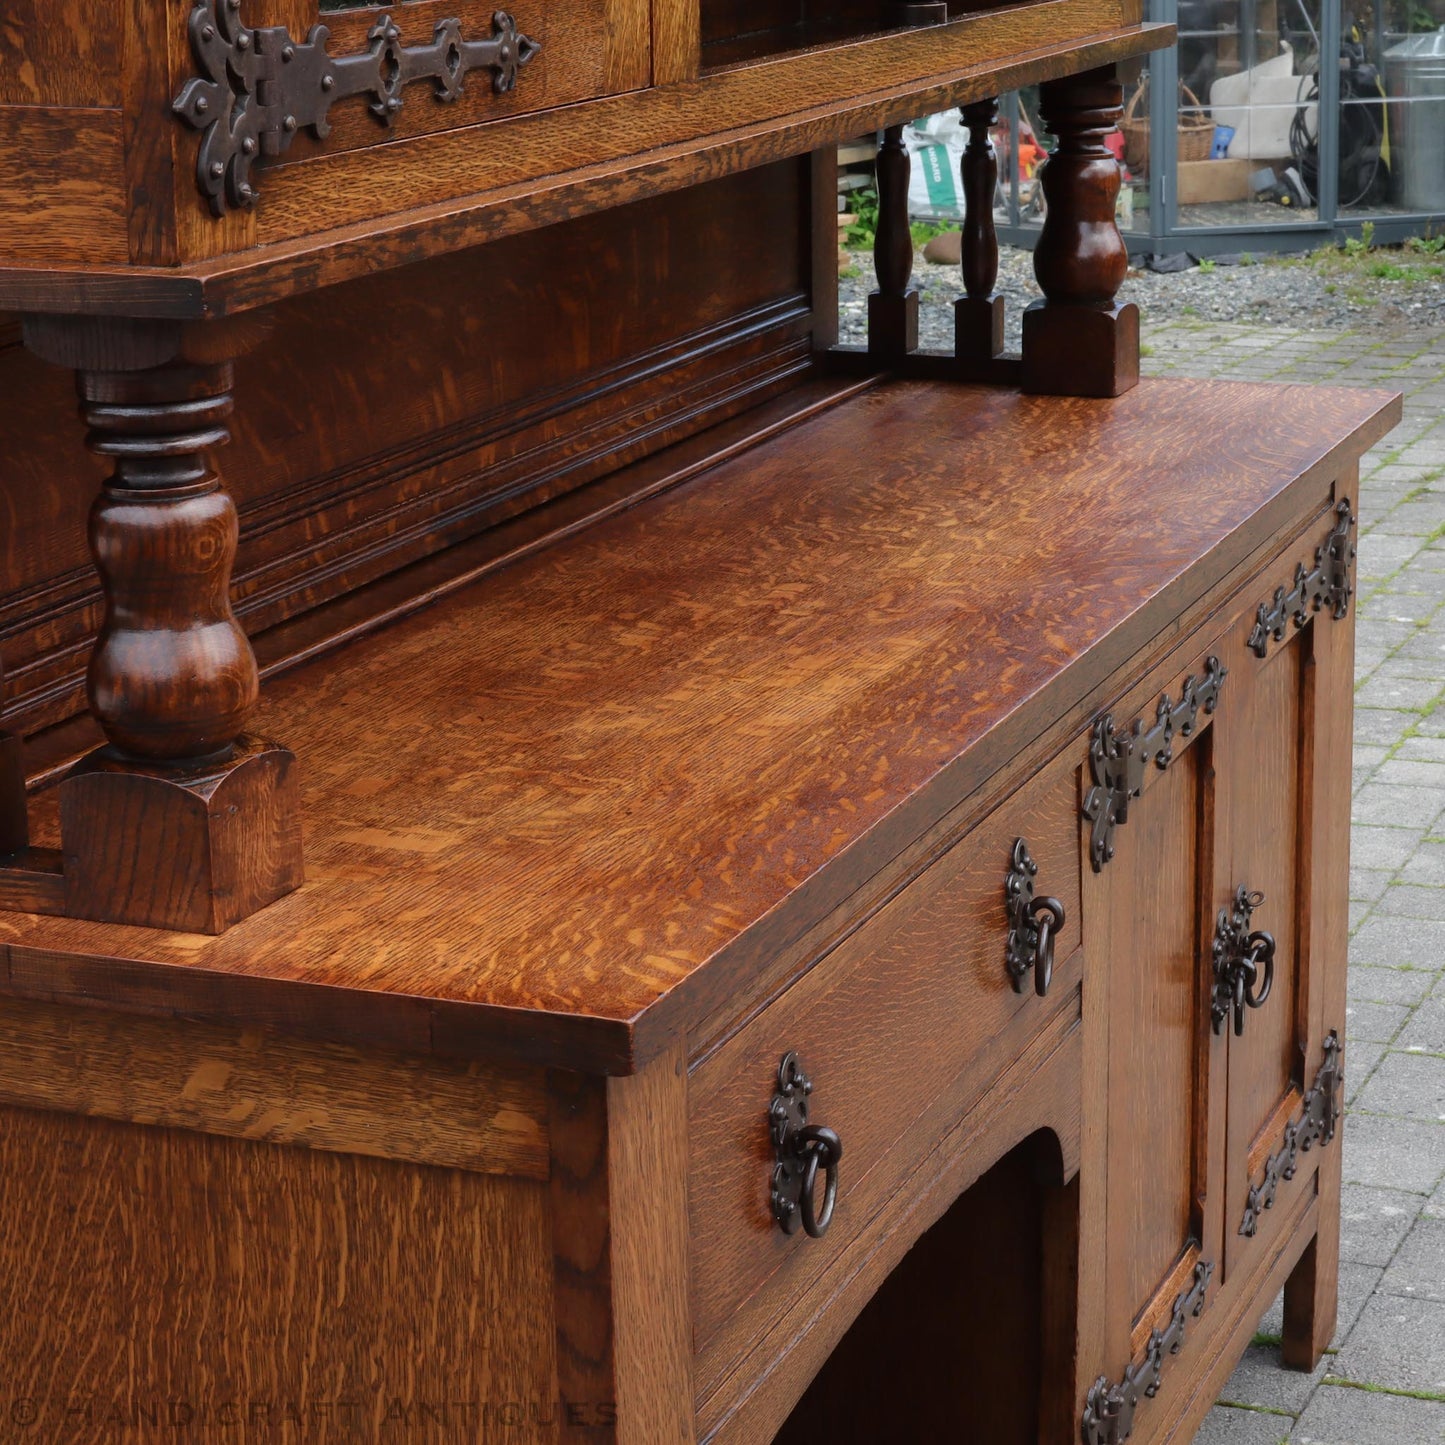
(635, 874)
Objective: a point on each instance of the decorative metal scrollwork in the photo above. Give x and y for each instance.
(259, 86)
(1319, 1118)
(1326, 585)
(1243, 962)
(1109, 1409)
(1034, 923)
(1118, 761)
(802, 1151)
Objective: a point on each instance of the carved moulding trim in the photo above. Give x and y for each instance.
(259, 86)
(1318, 1120)
(1327, 584)
(1118, 761)
(1109, 1409)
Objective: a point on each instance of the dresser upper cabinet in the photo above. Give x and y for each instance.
(173, 133)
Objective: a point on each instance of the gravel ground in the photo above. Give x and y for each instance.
(1328, 293)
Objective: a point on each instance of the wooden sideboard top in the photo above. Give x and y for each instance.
(575, 807)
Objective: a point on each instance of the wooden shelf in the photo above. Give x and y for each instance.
(318, 222)
(570, 807)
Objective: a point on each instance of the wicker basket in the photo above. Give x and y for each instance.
(1196, 130)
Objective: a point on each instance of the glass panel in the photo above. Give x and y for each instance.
(1392, 107)
(1247, 102)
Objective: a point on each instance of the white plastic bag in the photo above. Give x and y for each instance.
(935, 184)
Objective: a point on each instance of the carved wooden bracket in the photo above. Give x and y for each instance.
(258, 87)
(1319, 1118)
(1109, 1409)
(1327, 584)
(1118, 761)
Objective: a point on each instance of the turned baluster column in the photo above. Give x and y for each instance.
(172, 677)
(1076, 341)
(978, 315)
(183, 820)
(893, 307)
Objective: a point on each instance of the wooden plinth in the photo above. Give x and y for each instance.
(219, 840)
(1080, 350)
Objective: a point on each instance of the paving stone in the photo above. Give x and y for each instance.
(1412, 900)
(1425, 749)
(1260, 1379)
(1374, 1222)
(1373, 846)
(1392, 1153)
(1418, 1268)
(1399, 693)
(1407, 807)
(1426, 1027)
(1339, 1415)
(1230, 1425)
(1426, 864)
(1411, 773)
(1365, 984)
(1382, 725)
(1411, 1086)
(1369, 883)
(1361, 1060)
(1375, 1023)
(1401, 942)
(1398, 1343)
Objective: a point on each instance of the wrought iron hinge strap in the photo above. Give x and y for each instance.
(1109, 1409)
(1327, 584)
(259, 86)
(1319, 1118)
(1118, 761)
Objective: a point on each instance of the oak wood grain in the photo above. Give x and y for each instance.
(861, 724)
(374, 1301)
(60, 171)
(254, 1085)
(928, 974)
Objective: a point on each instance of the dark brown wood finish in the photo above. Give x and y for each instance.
(893, 307)
(499, 842)
(979, 313)
(1076, 341)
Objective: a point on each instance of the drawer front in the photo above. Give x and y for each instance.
(901, 1029)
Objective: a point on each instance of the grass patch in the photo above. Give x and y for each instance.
(1436, 1396)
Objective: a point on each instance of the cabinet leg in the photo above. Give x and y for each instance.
(1076, 341)
(182, 820)
(1311, 1292)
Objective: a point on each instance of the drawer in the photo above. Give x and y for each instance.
(901, 1028)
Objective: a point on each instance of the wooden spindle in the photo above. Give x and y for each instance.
(979, 313)
(893, 307)
(1077, 342)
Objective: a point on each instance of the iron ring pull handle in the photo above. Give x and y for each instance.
(1243, 962)
(800, 1151)
(822, 1149)
(1034, 923)
(1249, 991)
(1048, 916)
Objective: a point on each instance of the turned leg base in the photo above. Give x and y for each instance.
(1072, 350)
(978, 330)
(193, 849)
(893, 324)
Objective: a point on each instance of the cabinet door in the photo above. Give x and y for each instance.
(1282, 750)
(1144, 912)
